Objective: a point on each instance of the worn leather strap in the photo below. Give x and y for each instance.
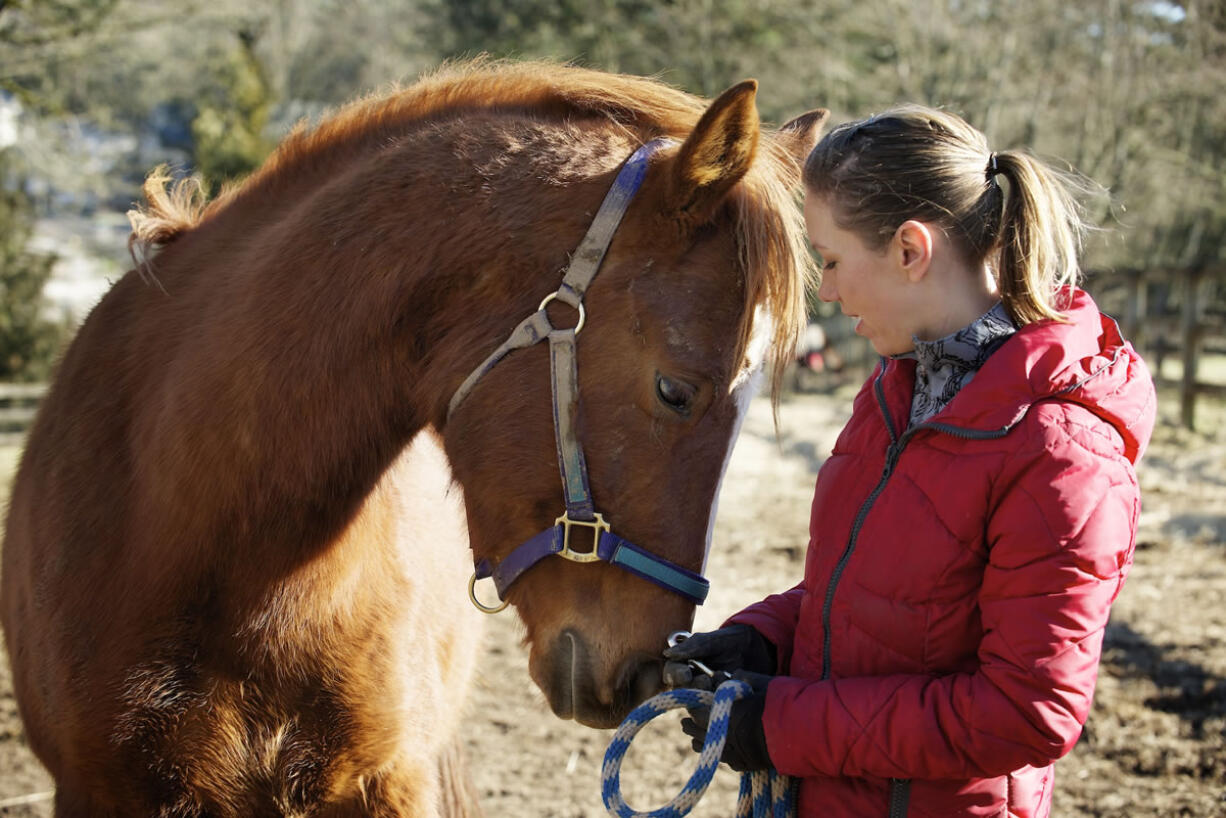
(532, 330)
(564, 372)
(588, 256)
(571, 463)
(584, 265)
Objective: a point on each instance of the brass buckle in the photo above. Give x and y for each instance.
(597, 525)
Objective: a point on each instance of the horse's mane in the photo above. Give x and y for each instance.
(770, 229)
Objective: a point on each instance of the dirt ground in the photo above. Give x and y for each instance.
(1154, 744)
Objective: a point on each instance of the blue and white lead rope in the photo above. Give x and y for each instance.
(764, 794)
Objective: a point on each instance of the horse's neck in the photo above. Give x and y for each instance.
(302, 346)
(293, 385)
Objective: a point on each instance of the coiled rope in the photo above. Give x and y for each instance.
(764, 793)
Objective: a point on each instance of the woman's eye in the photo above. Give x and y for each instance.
(828, 266)
(676, 395)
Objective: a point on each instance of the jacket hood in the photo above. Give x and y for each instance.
(1085, 361)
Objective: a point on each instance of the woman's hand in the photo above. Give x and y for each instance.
(745, 748)
(736, 647)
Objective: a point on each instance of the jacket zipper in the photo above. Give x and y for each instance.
(893, 453)
(891, 458)
(900, 788)
(828, 603)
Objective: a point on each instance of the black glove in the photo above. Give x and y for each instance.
(736, 647)
(745, 749)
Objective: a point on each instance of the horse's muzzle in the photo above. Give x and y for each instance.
(575, 692)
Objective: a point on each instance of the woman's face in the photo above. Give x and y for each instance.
(866, 284)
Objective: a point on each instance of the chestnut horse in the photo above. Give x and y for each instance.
(235, 560)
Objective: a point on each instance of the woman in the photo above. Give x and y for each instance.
(977, 516)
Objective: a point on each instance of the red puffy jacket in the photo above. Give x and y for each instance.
(958, 580)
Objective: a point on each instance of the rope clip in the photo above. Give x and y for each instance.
(680, 636)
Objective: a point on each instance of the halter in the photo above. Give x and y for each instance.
(580, 511)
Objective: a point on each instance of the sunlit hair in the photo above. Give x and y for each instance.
(919, 163)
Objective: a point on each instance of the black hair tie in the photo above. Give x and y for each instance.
(992, 170)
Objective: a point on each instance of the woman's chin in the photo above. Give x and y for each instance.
(888, 350)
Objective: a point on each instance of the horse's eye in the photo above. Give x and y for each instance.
(676, 395)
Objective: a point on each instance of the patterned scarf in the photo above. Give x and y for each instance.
(948, 364)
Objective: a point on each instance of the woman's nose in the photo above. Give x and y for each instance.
(827, 291)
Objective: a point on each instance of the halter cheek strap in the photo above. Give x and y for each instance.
(580, 510)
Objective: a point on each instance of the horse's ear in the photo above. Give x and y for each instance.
(799, 136)
(717, 154)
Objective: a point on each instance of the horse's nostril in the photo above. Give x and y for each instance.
(643, 679)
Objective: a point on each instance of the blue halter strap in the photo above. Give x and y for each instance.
(580, 509)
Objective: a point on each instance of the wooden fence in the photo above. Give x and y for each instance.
(1165, 313)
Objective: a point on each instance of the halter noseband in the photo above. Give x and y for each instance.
(580, 511)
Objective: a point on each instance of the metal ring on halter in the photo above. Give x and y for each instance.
(579, 306)
(472, 595)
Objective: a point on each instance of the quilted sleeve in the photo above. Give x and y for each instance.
(1060, 541)
(775, 618)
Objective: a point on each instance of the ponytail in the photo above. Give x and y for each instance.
(1040, 238)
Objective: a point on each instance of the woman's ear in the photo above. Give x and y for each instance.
(912, 246)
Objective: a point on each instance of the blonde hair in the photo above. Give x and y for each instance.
(919, 163)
